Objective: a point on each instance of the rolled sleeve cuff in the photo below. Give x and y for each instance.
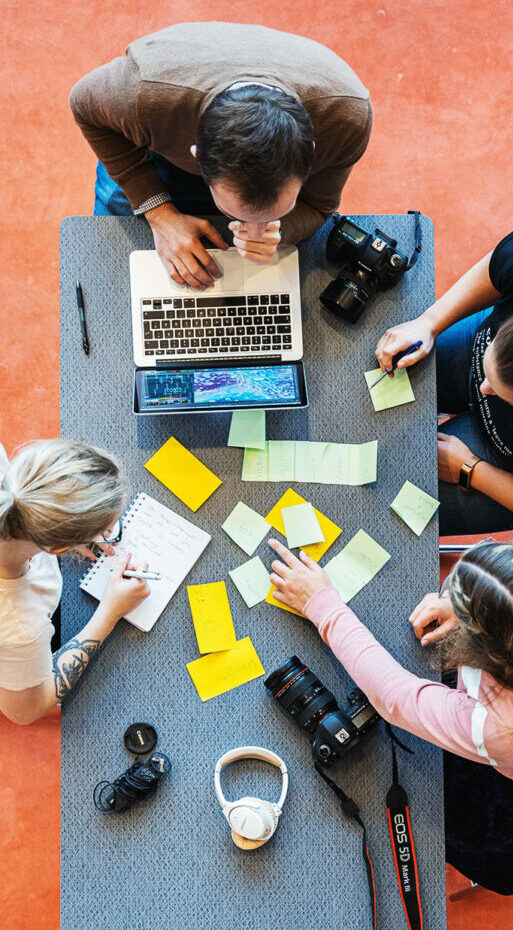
(156, 200)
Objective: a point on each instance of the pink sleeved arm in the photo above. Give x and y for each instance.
(426, 708)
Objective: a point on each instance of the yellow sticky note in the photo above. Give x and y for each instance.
(272, 600)
(221, 671)
(211, 616)
(184, 474)
(330, 530)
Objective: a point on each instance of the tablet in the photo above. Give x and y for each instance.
(196, 388)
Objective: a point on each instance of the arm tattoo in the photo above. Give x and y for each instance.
(70, 661)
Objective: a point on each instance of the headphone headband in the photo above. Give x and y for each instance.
(251, 752)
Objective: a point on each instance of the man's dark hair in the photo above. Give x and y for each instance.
(255, 139)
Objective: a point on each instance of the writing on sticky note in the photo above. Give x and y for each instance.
(390, 392)
(281, 460)
(414, 506)
(219, 672)
(247, 429)
(350, 463)
(301, 525)
(246, 527)
(185, 476)
(211, 616)
(313, 462)
(251, 580)
(330, 530)
(255, 465)
(356, 564)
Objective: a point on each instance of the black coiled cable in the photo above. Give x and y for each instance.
(138, 783)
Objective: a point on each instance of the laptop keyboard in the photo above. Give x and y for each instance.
(257, 324)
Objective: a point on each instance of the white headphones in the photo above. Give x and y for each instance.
(252, 821)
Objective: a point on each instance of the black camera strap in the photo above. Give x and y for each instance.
(352, 810)
(417, 249)
(401, 837)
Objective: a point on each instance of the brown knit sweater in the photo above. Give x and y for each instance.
(152, 98)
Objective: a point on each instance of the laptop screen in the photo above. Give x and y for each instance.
(173, 390)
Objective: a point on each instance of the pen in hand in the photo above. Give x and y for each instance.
(148, 576)
(396, 358)
(81, 315)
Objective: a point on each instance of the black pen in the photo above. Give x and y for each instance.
(81, 314)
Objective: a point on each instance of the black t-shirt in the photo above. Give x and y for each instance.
(495, 416)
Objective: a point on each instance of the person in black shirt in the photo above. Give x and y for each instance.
(474, 371)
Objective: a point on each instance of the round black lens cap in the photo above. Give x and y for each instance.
(140, 738)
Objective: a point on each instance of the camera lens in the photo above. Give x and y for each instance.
(301, 694)
(344, 299)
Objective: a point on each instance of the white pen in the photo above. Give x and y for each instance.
(148, 576)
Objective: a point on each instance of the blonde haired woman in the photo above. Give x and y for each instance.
(473, 624)
(55, 496)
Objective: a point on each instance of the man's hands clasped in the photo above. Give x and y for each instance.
(257, 242)
(177, 239)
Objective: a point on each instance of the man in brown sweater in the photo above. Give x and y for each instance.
(257, 124)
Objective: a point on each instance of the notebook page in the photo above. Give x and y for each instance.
(170, 544)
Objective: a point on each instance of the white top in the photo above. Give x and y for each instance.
(27, 605)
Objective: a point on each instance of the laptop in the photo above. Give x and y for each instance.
(249, 320)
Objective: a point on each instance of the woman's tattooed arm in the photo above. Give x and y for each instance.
(70, 661)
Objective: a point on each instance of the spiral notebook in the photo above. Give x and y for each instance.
(155, 534)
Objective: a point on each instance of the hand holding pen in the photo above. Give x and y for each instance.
(403, 336)
(397, 358)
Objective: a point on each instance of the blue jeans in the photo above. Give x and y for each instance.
(189, 192)
(464, 512)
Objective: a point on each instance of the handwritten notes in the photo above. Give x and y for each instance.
(211, 616)
(316, 462)
(414, 507)
(390, 392)
(247, 429)
(330, 530)
(301, 525)
(185, 476)
(246, 527)
(221, 671)
(356, 564)
(155, 534)
(251, 580)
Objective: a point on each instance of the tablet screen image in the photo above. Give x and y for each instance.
(173, 390)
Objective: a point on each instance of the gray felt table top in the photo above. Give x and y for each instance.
(171, 862)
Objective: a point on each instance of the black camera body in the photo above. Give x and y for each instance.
(333, 731)
(368, 262)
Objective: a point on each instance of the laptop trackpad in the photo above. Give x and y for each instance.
(243, 275)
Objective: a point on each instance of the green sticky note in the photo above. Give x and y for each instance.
(255, 465)
(308, 461)
(251, 580)
(356, 564)
(350, 463)
(414, 506)
(281, 460)
(390, 392)
(246, 527)
(301, 525)
(247, 429)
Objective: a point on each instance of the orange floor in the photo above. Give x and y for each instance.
(439, 76)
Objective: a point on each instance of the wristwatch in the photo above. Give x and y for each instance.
(466, 472)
